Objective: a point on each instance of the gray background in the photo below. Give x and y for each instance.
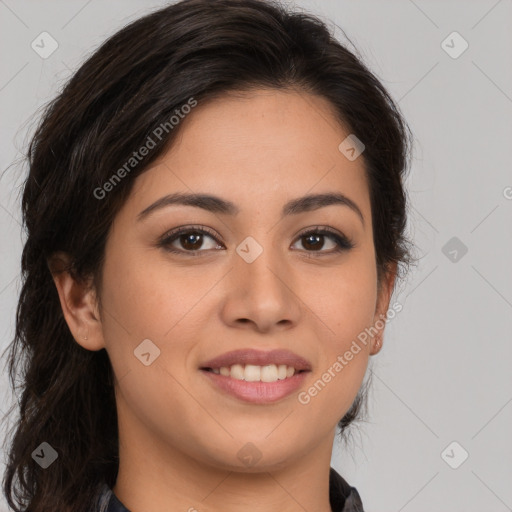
(444, 372)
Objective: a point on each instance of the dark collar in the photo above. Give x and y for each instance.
(342, 497)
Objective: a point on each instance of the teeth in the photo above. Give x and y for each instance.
(253, 373)
(237, 372)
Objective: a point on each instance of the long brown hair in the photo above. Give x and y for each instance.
(131, 85)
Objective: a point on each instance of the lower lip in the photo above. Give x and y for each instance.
(257, 392)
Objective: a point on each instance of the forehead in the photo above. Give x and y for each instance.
(257, 147)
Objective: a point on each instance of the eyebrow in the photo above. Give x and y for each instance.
(216, 204)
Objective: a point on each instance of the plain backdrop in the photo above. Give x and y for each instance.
(442, 385)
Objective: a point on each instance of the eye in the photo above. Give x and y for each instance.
(190, 238)
(314, 239)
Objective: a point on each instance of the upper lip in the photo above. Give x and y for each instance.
(258, 358)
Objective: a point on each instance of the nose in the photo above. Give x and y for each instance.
(261, 295)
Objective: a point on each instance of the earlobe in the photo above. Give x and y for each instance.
(78, 303)
(377, 344)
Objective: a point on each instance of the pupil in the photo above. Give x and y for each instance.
(189, 240)
(316, 238)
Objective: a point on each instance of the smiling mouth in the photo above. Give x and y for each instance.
(255, 373)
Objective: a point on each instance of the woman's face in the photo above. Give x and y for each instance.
(251, 282)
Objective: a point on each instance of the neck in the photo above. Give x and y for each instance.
(153, 476)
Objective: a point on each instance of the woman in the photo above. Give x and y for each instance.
(215, 214)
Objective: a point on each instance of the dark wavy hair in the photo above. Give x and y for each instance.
(131, 85)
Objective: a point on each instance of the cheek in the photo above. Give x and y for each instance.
(151, 299)
(145, 302)
(344, 299)
(147, 297)
(345, 305)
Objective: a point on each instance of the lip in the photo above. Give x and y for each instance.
(256, 392)
(258, 358)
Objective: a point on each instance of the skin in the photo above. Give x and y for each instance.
(180, 435)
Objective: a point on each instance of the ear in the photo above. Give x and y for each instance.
(78, 302)
(384, 291)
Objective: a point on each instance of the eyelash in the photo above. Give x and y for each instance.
(343, 243)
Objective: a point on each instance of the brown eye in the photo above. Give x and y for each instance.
(191, 241)
(314, 241)
(187, 239)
